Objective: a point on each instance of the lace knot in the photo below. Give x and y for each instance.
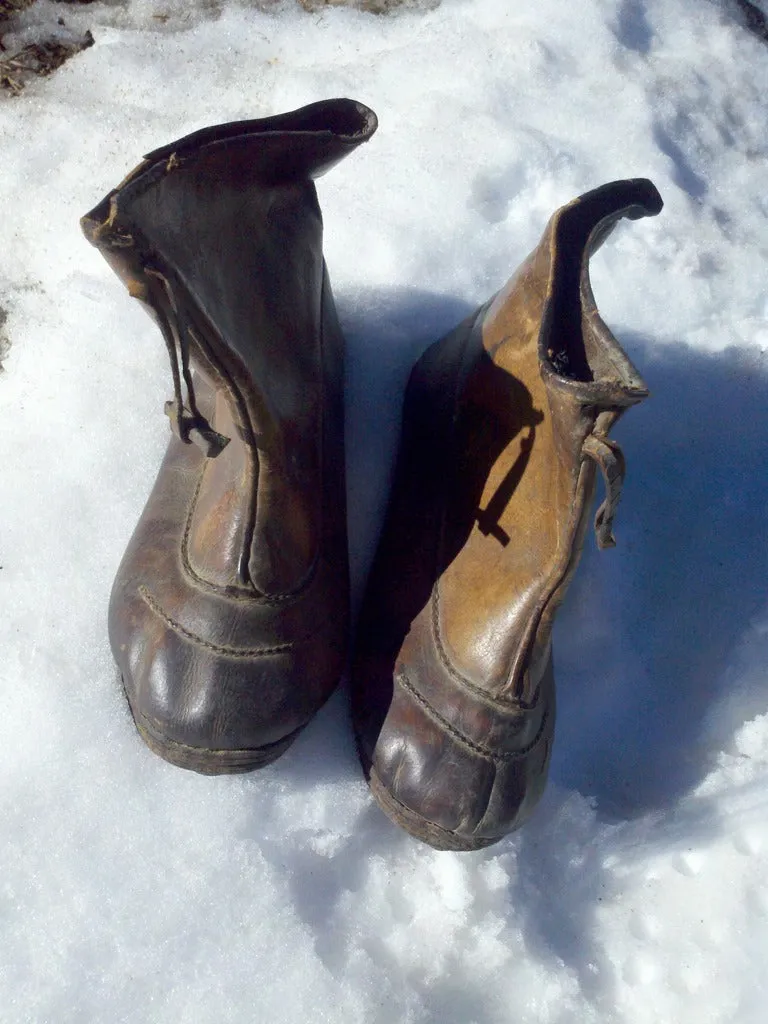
(187, 423)
(195, 429)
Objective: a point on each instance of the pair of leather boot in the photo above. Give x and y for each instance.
(229, 617)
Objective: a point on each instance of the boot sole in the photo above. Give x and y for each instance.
(414, 824)
(209, 761)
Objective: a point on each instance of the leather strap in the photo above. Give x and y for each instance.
(610, 460)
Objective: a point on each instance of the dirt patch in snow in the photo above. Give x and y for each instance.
(5, 341)
(37, 60)
(371, 6)
(26, 58)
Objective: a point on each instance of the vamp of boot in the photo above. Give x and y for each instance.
(505, 433)
(229, 615)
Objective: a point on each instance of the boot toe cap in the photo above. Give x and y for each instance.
(439, 784)
(208, 705)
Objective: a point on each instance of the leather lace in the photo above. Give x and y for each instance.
(610, 460)
(187, 422)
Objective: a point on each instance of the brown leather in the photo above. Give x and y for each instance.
(504, 428)
(229, 614)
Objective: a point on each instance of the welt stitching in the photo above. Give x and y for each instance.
(464, 741)
(229, 652)
(408, 812)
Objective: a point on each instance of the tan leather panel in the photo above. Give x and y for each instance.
(491, 590)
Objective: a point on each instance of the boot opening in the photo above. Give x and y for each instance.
(580, 230)
(345, 119)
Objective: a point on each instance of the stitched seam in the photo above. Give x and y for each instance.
(229, 592)
(465, 741)
(234, 593)
(434, 598)
(459, 678)
(409, 811)
(229, 652)
(155, 729)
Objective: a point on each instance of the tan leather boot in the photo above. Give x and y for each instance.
(229, 614)
(505, 429)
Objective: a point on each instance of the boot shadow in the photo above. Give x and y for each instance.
(643, 647)
(386, 331)
(647, 643)
(458, 420)
(382, 348)
(653, 647)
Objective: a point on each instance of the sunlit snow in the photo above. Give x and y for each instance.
(131, 891)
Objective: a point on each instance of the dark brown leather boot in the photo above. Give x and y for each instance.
(229, 614)
(505, 426)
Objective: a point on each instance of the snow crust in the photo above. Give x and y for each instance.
(132, 891)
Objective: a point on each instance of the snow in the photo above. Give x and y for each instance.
(132, 891)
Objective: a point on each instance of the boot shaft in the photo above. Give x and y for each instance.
(220, 235)
(505, 422)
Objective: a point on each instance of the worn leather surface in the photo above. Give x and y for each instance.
(229, 615)
(504, 423)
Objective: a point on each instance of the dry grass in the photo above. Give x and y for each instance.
(370, 6)
(37, 60)
(9, 7)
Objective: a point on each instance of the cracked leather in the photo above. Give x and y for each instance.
(505, 423)
(229, 615)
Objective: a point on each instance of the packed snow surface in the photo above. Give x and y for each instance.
(132, 891)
